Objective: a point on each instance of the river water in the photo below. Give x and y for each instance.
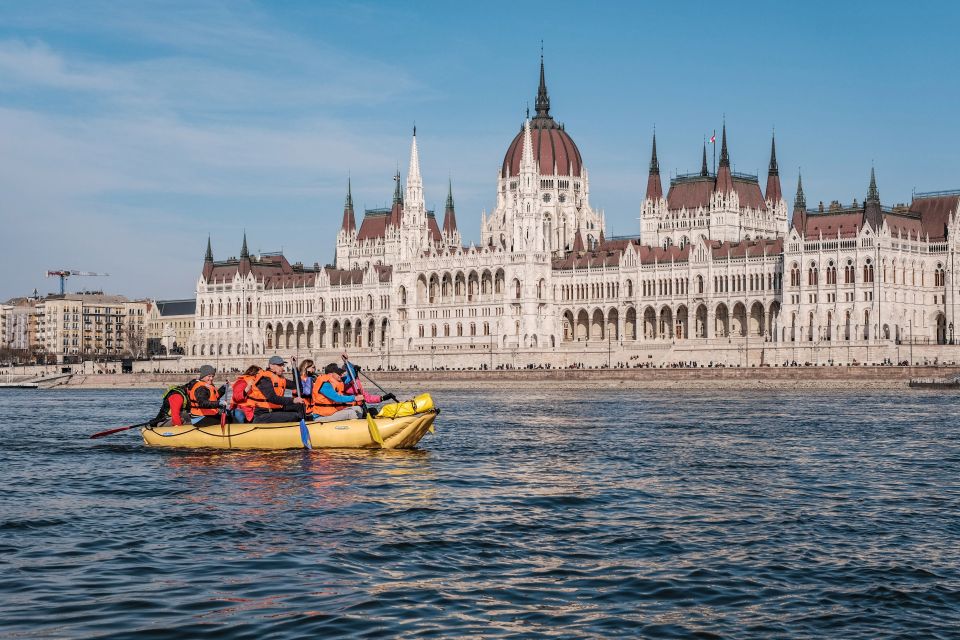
(537, 513)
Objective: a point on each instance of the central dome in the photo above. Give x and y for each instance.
(552, 145)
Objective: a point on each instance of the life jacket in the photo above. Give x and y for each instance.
(245, 400)
(321, 404)
(256, 397)
(196, 410)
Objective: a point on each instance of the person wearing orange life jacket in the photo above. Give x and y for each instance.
(240, 405)
(329, 401)
(268, 395)
(204, 398)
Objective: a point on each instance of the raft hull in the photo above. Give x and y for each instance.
(397, 433)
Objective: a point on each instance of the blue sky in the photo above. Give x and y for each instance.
(129, 131)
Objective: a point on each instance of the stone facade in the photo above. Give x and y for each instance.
(718, 273)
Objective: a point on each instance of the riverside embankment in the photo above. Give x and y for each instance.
(799, 378)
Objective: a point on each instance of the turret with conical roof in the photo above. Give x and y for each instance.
(773, 193)
(349, 224)
(654, 186)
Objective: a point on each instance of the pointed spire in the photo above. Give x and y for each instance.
(873, 195)
(724, 155)
(773, 193)
(654, 163)
(449, 215)
(413, 175)
(349, 224)
(244, 253)
(654, 187)
(209, 256)
(800, 202)
(704, 171)
(543, 99)
(578, 243)
(526, 159)
(871, 206)
(397, 195)
(773, 170)
(396, 212)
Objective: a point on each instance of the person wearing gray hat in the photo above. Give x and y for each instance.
(268, 394)
(204, 397)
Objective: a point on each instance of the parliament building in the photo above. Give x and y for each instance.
(723, 271)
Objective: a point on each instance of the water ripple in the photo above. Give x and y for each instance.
(546, 514)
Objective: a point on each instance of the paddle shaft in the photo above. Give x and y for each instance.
(362, 373)
(304, 432)
(118, 430)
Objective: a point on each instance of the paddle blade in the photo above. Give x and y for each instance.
(305, 435)
(374, 430)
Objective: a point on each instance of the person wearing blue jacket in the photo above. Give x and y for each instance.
(329, 402)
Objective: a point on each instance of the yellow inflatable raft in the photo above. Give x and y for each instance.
(413, 419)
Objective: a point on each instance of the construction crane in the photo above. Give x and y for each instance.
(63, 274)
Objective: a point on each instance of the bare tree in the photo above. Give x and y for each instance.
(135, 338)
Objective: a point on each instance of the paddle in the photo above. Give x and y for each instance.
(304, 432)
(117, 430)
(371, 425)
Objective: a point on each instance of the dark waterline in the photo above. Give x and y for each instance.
(539, 513)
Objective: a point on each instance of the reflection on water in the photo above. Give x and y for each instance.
(549, 514)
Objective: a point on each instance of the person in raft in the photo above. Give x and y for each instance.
(204, 398)
(268, 395)
(308, 371)
(241, 406)
(328, 402)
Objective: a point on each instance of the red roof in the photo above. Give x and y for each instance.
(690, 192)
(374, 225)
(935, 212)
(551, 145)
(847, 224)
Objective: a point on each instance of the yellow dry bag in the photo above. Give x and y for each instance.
(421, 404)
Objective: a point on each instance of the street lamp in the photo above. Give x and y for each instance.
(951, 333)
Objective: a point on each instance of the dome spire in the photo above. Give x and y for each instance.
(209, 255)
(543, 99)
(704, 171)
(244, 252)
